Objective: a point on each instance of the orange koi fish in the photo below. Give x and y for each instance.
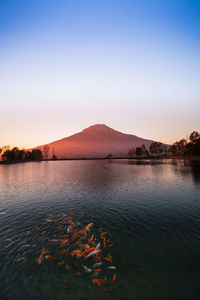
(97, 258)
(77, 273)
(97, 270)
(89, 226)
(99, 282)
(103, 233)
(49, 257)
(114, 277)
(21, 259)
(53, 241)
(92, 236)
(40, 258)
(87, 251)
(108, 258)
(44, 252)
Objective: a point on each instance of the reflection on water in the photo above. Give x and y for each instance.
(151, 208)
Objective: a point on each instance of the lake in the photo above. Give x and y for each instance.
(150, 209)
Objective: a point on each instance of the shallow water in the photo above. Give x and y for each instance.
(151, 210)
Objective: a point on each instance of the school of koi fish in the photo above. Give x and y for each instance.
(79, 250)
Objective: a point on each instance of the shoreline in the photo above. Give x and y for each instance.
(106, 158)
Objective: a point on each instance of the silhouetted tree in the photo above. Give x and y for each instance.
(194, 136)
(21, 155)
(157, 148)
(138, 151)
(173, 149)
(36, 154)
(144, 150)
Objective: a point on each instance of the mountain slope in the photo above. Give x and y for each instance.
(95, 141)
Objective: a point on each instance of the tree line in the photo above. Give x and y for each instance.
(182, 147)
(15, 154)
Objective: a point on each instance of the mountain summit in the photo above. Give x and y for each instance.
(95, 141)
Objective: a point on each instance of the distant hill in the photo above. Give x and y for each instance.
(95, 141)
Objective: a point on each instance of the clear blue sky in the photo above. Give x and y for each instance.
(65, 65)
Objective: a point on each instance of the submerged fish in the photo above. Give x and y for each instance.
(98, 246)
(108, 258)
(40, 258)
(99, 264)
(94, 252)
(114, 277)
(88, 270)
(111, 268)
(103, 233)
(49, 257)
(99, 282)
(89, 226)
(21, 259)
(87, 251)
(53, 241)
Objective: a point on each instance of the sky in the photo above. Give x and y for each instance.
(65, 65)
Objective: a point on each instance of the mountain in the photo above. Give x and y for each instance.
(95, 141)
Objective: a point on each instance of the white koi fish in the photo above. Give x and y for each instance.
(111, 268)
(87, 270)
(94, 252)
(98, 246)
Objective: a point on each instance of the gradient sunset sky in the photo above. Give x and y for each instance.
(66, 65)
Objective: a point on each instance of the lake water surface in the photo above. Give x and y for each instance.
(151, 210)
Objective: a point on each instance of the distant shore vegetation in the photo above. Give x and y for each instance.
(182, 148)
(15, 154)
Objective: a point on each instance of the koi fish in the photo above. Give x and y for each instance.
(99, 282)
(111, 268)
(97, 258)
(103, 233)
(99, 264)
(98, 246)
(104, 241)
(88, 270)
(21, 259)
(70, 227)
(77, 273)
(64, 241)
(108, 258)
(92, 236)
(49, 257)
(88, 251)
(40, 258)
(97, 270)
(89, 226)
(44, 252)
(53, 241)
(114, 277)
(94, 252)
